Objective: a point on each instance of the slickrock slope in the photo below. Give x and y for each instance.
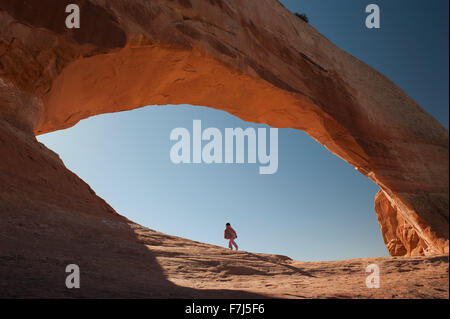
(253, 59)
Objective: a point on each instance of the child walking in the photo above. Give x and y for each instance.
(231, 235)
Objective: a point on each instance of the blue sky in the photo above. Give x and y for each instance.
(411, 48)
(316, 207)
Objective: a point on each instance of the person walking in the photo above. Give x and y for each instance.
(231, 235)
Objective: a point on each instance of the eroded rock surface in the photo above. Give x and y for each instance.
(253, 59)
(400, 237)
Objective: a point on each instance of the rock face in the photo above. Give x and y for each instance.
(400, 237)
(253, 59)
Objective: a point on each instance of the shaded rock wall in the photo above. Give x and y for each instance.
(400, 237)
(253, 59)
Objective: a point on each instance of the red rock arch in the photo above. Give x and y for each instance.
(253, 59)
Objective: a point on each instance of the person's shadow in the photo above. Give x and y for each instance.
(283, 265)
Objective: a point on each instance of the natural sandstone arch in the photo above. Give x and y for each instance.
(253, 59)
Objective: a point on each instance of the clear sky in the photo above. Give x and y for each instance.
(411, 48)
(316, 207)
